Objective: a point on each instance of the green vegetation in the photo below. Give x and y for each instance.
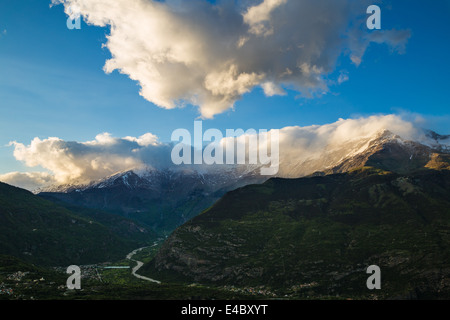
(310, 238)
(41, 232)
(315, 237)
(22, 281)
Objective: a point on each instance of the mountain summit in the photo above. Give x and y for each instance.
(384, 150)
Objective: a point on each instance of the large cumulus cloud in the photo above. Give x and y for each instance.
(209, 54)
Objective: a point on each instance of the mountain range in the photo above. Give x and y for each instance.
(166, 198)
(159, 199)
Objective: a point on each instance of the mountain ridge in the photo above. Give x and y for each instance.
(165, 199)
(353, 147)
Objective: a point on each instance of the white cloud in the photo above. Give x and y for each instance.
(28, 180)
(395, 39)
(272, 89)
(258, 17)
(145, 140)
(211, 54)
(84, 162)
(343, 77)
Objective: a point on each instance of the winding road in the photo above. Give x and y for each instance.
(139, 265)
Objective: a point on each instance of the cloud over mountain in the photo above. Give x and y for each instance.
(83, 162)
(209, 54)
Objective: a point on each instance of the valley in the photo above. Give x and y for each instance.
(232, 234)
(98, 283)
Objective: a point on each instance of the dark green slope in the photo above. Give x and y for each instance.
(317, 236)
(41, 232)
(121, 226)
(9, 264)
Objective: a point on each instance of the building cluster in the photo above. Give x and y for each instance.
(304, 286)
(260, 291)
(17, 276)
(6, 290)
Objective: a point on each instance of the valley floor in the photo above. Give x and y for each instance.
(121, 281)
(110, 281)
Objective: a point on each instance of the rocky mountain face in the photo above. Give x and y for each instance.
(165, 199)
(391, 152)
(316, 236)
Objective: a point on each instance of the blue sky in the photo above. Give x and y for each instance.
(52, 82)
